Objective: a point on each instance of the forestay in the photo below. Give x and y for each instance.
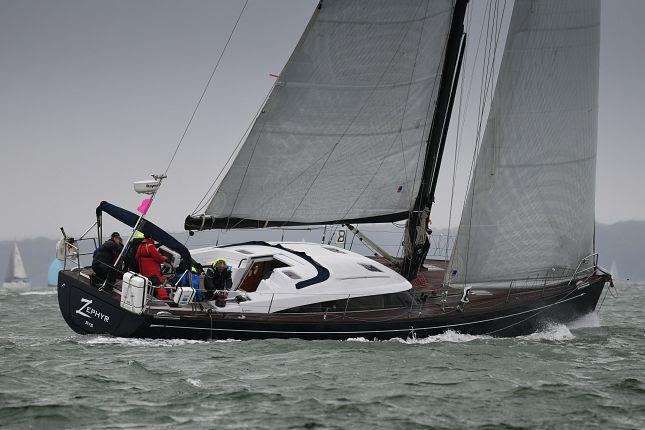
(343, 133)
(530, 204)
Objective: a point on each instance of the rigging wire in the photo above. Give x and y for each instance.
(208, 193)
(463, 107)
(210, 78)
(482, 99)
(425, 139)
(466, 108)
(456, 158)
(493, 30)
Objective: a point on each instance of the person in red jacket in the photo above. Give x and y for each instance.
(149, 260)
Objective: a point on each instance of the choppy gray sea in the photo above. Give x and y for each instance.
(587, 375)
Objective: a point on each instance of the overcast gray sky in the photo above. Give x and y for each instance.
(95, 95)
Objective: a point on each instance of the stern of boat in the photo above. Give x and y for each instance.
(88, 310)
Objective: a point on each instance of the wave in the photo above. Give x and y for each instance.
(561, 332)
(448, 336)
(38, 293)
(107, 340)
(195, 382)
(590, 320)
(552, 332)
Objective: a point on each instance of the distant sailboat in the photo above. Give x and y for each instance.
(52, 273)
(16, 276)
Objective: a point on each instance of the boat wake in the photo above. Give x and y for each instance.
(163, 343)
(448, 336)
(552, 333)
(38, 293)
(586, 321)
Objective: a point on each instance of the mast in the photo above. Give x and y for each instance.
(415, 238)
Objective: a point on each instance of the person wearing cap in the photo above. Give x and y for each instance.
(149, 260)
(217, 278)
(103, 261)
(130, 253)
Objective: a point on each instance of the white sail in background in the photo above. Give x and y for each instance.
(530, 204)
(16, 275)
(19, 271)
(343, 133)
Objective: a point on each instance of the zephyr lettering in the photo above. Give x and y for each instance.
(85, 302)
(91, 311)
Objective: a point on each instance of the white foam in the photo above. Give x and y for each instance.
(555, 332)
(590, 320)
(195, 382)
(449, 336)
(358, 339)
(106, 340)
(38, 293)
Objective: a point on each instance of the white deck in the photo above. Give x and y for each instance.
(350, 275)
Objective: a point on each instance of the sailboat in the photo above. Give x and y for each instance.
(52, 272)
(354, 131)
(16, 275)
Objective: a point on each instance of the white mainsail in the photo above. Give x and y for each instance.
(343, 133)
(530, 204)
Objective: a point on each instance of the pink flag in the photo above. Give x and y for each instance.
(144, 206)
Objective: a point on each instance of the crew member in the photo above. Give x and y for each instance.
(131, 252)
(149, 260)
(217, 278)
(103, 261)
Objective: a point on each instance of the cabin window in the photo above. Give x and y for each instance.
(336, 250)
(381, 301)
(290, 274)
(258, 271)
(370, 267)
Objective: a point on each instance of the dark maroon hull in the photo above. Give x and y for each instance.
(498, 315)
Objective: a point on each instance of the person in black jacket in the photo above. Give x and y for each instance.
(104, 258)
(217, 278)
(129, 257)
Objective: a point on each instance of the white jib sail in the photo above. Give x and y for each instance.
(530, 205)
